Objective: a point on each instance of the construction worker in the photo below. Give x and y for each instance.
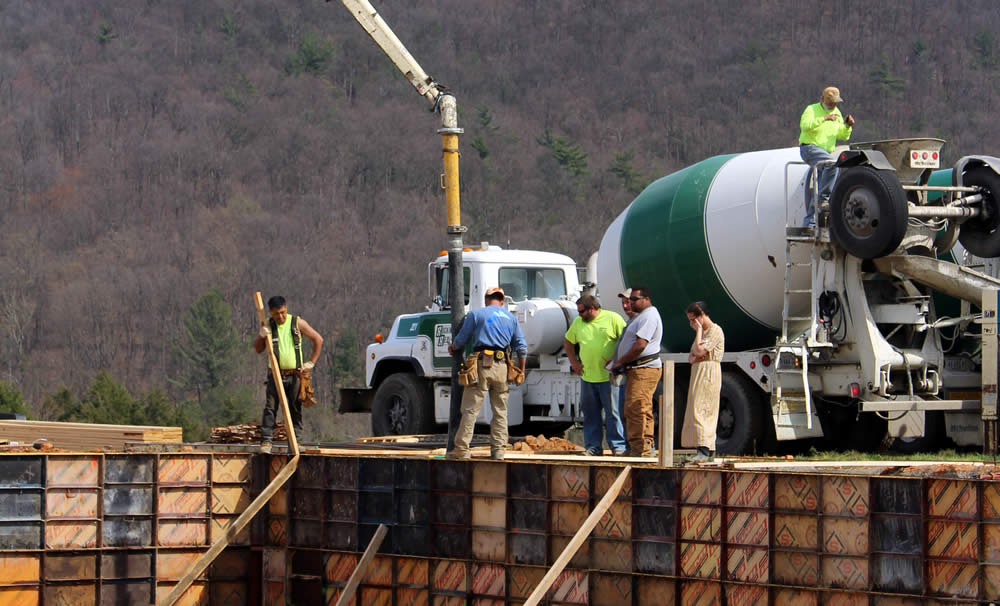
(821, 125)
(494, 332)
(286, 332)
(595, 331)
(639, 357)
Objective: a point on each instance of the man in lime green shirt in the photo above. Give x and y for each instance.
(821, 125)
(596, 332)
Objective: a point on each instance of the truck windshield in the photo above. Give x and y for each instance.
(442, 285)
(520, 283)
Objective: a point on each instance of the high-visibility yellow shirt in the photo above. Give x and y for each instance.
(286, 345)
(818, 131)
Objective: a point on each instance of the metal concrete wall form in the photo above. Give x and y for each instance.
(123, 528)
(79, 529)
(484, 534)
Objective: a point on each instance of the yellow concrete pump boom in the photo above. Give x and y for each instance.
(445, 104)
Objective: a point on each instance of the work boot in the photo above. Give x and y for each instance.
(703, 455)
(497, 454)
(456, 454)
(265, 446)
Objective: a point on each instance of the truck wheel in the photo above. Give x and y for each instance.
(741, 417)
(868, 212)
(402, 406)
(981, 235)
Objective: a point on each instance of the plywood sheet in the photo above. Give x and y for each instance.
(746, 528)
(569, 482)
(489, 478)
(701, 487)
(745, 595)
(846, 495)
(234, 468)
(570, 587)
(748, 565)
(955, 540)
(72, 471)
(489, 545)
(747, 490)
(186, 469)
(610, 589)
(70, 535)
(846, 573)
(182, 533)
(616, 523)
(952, 499)
(701, 523)
(953, 579)
(795, 568)
(188, 500)
(797, 531)
(489, 512)
(701, 593)
(796, 492)
(845, 536)
(653, 590)
(489, 579)
(700, 560)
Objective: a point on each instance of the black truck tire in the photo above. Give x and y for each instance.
(981, 235)
(868, 212)
(742, 416)
(402, 406)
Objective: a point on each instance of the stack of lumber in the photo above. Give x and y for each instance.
(246, 433)
(85, 436)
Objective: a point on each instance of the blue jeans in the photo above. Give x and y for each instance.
(595, 398)
(826, 174)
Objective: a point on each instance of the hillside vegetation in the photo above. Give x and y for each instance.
(160, 161)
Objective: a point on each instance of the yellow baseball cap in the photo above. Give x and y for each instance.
(832, 93)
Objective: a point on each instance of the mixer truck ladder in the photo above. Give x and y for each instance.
(792, 391)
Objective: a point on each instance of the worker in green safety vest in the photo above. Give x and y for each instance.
(286, 332)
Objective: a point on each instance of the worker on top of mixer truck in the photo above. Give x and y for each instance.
(821, 126)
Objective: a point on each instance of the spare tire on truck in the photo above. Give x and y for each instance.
(868, 211)
(981, 235)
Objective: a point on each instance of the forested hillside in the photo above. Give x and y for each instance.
(160, 161)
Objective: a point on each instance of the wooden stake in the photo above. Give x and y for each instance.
(359, 570)
(279, 480)
(667, 415)
(581, 535)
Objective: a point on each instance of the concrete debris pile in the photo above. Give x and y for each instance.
(246, 433)
(542, 444)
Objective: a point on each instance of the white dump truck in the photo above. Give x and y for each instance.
(865, 326)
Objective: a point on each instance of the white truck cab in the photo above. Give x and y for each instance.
(408, 374)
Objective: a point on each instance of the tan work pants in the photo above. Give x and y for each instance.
(640, 385)
(493, 380)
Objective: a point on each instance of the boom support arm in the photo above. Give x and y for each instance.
(444, 103)
(381, 33)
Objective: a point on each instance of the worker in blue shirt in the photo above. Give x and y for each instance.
(494, 333)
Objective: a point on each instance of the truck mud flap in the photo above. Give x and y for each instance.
(356, 399)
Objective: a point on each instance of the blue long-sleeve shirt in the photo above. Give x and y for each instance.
(493, 327)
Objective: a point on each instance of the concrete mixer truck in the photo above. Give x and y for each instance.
(878, 323)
